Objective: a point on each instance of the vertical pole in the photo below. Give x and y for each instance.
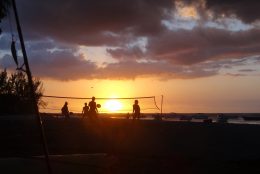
(161, 106)
(32, 92)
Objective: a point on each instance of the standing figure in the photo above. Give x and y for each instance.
(92, 108)
(65, 110)
(136, 110)
(85, 110)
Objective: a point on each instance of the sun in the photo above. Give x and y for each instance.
(113, 105)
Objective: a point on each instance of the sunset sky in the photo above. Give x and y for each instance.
(201, 55)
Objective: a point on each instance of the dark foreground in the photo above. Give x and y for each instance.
(124, 146)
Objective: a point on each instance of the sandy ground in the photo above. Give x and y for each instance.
(124, 146)
(108, 164)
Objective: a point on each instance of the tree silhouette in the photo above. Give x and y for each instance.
(15, 93)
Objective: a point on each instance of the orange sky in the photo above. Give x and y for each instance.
(213, 94)
(201, 55)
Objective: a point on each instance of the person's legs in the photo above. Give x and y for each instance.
(134, 116)
(67, 116)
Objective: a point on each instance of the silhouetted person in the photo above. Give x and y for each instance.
(85, 111)
(92, 108)
(127, 116)
(136, 110)
(65, 110)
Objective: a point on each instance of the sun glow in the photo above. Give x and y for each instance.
(113, 105)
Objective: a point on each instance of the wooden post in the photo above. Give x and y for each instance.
(161, 106)
(32, 92)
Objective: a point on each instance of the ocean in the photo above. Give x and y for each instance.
(232, 118)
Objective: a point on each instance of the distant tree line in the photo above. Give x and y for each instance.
(15, 96)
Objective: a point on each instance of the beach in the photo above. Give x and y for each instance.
(127, 146)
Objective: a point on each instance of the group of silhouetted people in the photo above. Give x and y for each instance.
(90, 110)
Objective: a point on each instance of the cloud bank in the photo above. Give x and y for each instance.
(145, 38)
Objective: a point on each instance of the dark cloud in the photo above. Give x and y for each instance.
(85, 21)
(193, 46)
(247, 70)
(132, 53)
(163, 71)
(201, 44)
(246, 10)
(7, 62)
(54, 29)
(5, 40)
(49, 59)
(61, 64)
(65, 63)
(235, 74)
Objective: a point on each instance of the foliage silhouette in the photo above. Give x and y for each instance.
(15, 96)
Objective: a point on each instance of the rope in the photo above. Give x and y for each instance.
(83, 98)
(114, 98)
(155, 103)
(125, 110)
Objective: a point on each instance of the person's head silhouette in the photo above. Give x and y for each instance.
(93, 98)
(136, 101)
